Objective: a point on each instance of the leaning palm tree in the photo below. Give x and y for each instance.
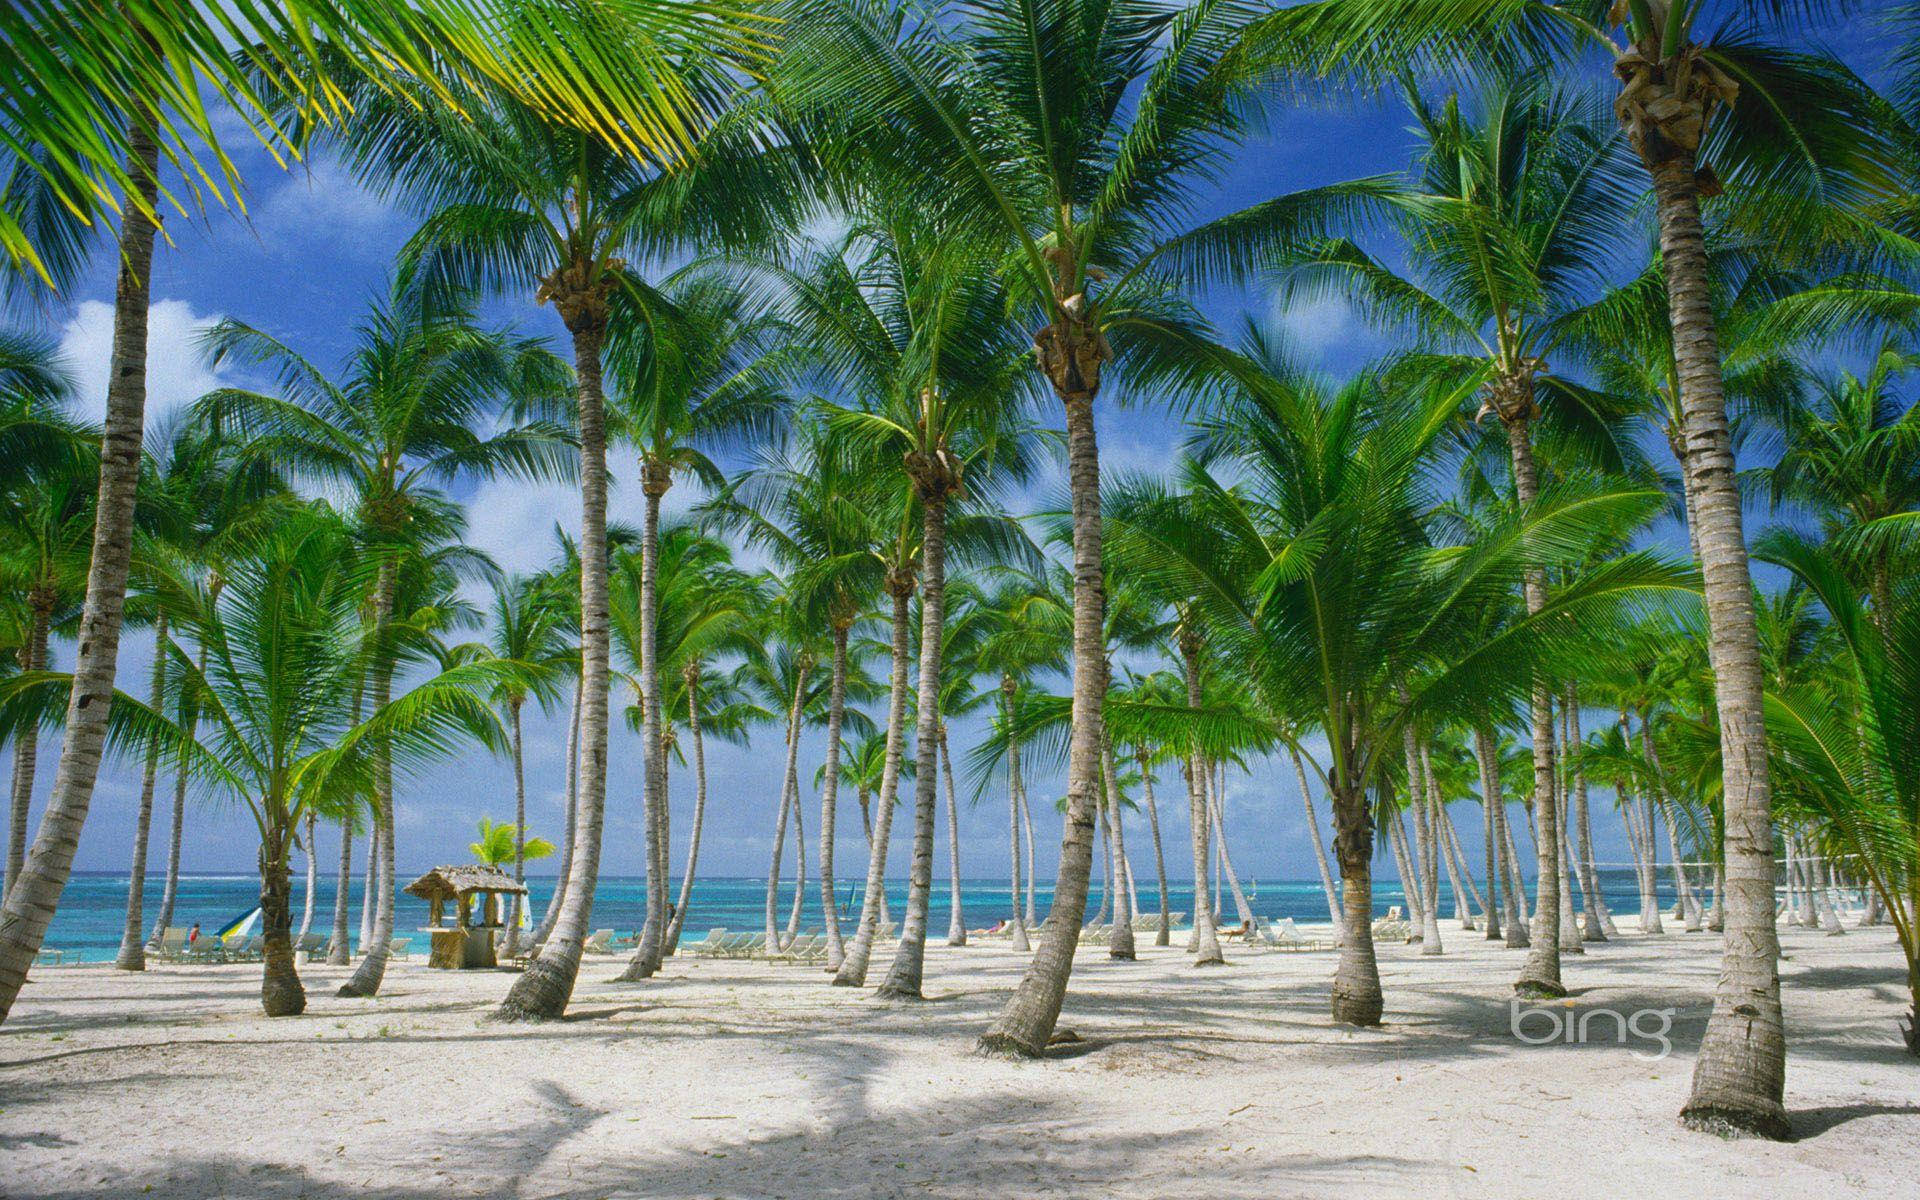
(1059, 133)
(696, 367)
(512, 201)
(415, 405)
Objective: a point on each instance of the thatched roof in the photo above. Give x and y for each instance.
(449, 883)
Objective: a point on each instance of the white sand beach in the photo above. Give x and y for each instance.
(737, 1080)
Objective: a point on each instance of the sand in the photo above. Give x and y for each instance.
(729, 1079)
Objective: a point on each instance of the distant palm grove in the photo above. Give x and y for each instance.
(1621, 527)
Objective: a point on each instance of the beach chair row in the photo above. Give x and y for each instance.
(172, 946)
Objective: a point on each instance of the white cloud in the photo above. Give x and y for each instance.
(322, 204)
(176, 373)
(1313, 327)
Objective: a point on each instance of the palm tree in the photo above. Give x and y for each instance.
(1790, 132)
(805, 509)
(525, 630)
(501, 844)
(1057, 132)
(414, 405)
(611, 71)
(513, 201)
(1320, 550)
(909, 322)
(695, 367)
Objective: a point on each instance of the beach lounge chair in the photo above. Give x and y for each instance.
(400, 948)
(312, 945)
(48, 956)
(1391, 926)
(205, 948)
(600, 943)
(708, 947)
(808, 948)
(170, 944)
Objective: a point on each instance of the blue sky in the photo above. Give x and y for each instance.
(315, 246)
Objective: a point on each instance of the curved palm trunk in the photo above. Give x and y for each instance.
(313, 875)
(787, 798)
(170, 890)
(853, 968)
(830, 797)
(133, 956)
(338, 954)
(1319, 844)
(33, 892)
(679, 920)
(1026, 1024)
(1106, 868)
(1466, 896)
(1739, 1077)
(1410, 884)
(542, 992)
(799, 852)
(372, 970)
(1519, 933)
(543, 930)
(956, 917)
(369, 887)
(1120, 945)
(1420, 799)
(1597, 923)
(1018, 925)
(1356, 998)
(519, 828)
(281, 994)
(904, 977)
(647, 958)
(1217, 802)
(1164, 937)
(26, 749)
(1033, 864)
(1205, 942)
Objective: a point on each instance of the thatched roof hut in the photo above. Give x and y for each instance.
(454, 883)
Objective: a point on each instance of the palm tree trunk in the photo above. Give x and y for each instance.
(1120, 945)
(338, 955)
(904, 977)
(1499, 900)
(1739, 1077)
(542, 991)
(1017, 926)
(171, 889)
(26, 748)
(519, 828)
(956, 916)
(1206, 938)
(1410, 885)
(34, 891)
(543, 930)
(281, 994)
(799, 851)
(1356, 994)
(772, 913)
(679, 920)
(1241, 908)
(372, 970)
(313, 875)
(1419, 798)
(830, 797)
(1101, 916)
(1466, 896)
(1165, 935)
(369, 891)
(1540, 977)
(1033, 864)
(1319, 844)
(132, 956)
(1598, 924)
(1025, 1026)
(853, 968)
(655, 480)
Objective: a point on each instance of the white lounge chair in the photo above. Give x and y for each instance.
(601, 942)
(400, 947)
(710, 946)
(171, 943)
